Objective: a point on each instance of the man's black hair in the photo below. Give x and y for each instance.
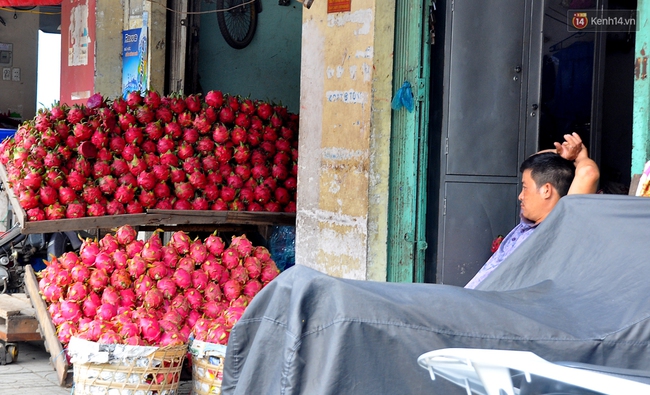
(552, 168)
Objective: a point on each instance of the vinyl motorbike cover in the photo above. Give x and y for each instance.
(578, 289)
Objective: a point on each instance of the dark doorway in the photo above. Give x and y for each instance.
(587, 87)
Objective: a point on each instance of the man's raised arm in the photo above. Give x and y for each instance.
(587, 173)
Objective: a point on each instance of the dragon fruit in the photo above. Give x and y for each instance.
(253, 266)
(230, 258)
(125, 235)
(168, 287)
(106, 311)
(239, 274)
(252, 288)
(152, 249)
(153, 298)
(150, 329)
(181, 242)
(199, 280)
(194, 297)
(182, 278)
(269, 272)
(136, 266)
(232, 289)
(98, 280)
(90, 305)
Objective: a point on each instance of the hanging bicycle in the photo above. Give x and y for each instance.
(238, 21)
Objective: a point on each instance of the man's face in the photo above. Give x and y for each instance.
(534, 206)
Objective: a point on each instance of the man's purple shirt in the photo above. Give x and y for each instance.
(516, 236)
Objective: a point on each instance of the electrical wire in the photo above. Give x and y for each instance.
(31, 10)
(200, 12)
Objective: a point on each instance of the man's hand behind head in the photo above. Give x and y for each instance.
(571, 148)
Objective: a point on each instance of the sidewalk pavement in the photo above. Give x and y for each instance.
(32, 374)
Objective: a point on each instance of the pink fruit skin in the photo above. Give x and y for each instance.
(232, 289)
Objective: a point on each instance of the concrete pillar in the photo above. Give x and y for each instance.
(108, 69)
(345, 94)
(113, 17)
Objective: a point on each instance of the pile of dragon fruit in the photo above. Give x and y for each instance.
(121, 290)
(124, 156)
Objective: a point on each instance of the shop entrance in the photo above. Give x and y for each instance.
(507, 92)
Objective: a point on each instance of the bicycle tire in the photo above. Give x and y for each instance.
(237, 26)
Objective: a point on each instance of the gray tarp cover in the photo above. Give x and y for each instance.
(577, 290)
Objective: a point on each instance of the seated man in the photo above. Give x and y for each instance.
(569, 294)
(546, 177)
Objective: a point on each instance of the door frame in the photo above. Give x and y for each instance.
(409, 146)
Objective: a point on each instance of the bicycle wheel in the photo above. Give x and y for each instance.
(238, 21)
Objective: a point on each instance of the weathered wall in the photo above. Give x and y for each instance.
(102, 72)
(108, 73)
(267, 69)
(22, 32)
(641, 114)
(344, 139)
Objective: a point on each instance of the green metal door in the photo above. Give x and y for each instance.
(409, 145)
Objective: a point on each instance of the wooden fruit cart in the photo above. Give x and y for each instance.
(167, 220)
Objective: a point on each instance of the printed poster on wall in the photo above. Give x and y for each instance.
(79, 38)
(134, 60)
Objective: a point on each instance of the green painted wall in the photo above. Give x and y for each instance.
(268, 68)
(641, 117)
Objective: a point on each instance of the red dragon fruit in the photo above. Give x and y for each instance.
(194, 297)
(150, 329)
(242, 245)
(199, 280)
(253, 266)
(212, 309)
(157, 270)
(91, 304)
(213, 292)
(120, 279)
(269, 272)
(251, 288)
(182, 278)
(232, 289)
(215, 244)
(77, 292)
(134, 248)
(111, 295)
(181, 242)
(153, 298)
(152, 249)
(167, 286)
(239, 274)
(230, 257)
(79, 273)
(125, 235)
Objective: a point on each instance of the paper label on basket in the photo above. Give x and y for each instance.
(84, 351)
(200, 348)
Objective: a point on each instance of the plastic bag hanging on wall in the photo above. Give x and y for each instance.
(403, 98)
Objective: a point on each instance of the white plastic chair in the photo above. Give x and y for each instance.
(505, 372)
